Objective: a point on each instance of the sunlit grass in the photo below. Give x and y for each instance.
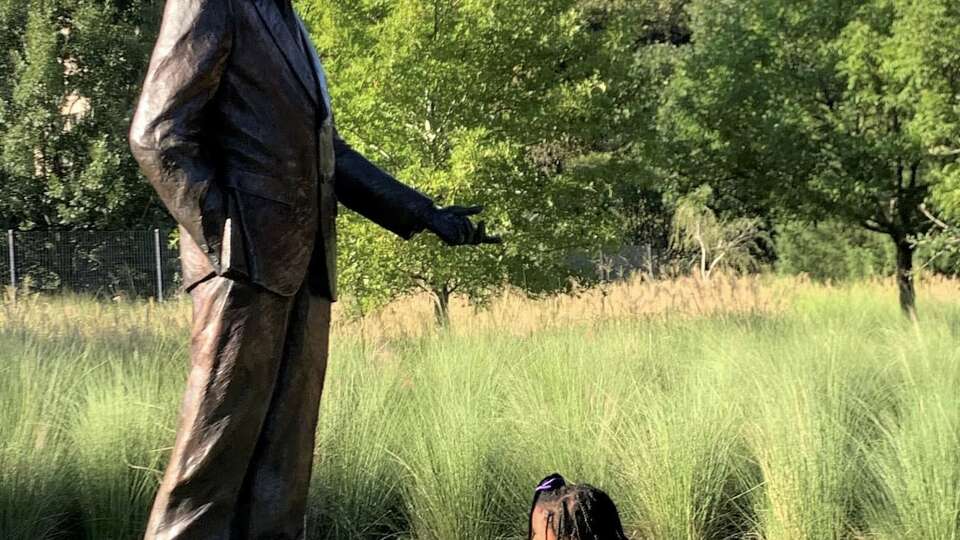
(745, 408)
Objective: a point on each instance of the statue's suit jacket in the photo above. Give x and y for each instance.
(234, 130)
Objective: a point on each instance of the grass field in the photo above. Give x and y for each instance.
(746, 408)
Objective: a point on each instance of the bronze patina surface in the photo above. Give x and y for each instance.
(234, 129)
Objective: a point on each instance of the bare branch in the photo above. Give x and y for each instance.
(943, 151)
(933, 219)
(716, 261)
(874, 226)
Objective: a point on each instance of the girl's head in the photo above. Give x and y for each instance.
(573, 512)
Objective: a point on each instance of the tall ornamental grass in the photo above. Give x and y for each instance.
(756, 408)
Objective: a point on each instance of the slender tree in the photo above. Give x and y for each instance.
(502, 102)
(813, 108)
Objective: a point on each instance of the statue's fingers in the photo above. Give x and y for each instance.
(467, 231)
(470, 232)
(465, 211)
(479, 233)
(483, 238)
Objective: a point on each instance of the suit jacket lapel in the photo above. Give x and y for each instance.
(317, 67)
(288, 44)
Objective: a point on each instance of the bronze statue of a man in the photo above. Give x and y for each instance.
(235, 132)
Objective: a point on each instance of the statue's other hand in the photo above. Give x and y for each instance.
(452, 224)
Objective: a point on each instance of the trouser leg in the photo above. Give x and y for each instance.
(236, 350)
(274, 496)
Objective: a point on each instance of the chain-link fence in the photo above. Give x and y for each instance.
(142, 263)
(129, 263)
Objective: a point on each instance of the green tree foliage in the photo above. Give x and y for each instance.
(645, 40)
(68, 79)
(925, 49)
(577, 123)
(832, 251)
(816, 108)
(510, 104)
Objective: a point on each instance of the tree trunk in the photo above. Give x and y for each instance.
(441, 305)
(703, 254)
(908, 295)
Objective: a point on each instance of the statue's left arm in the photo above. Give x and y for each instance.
(362, 187)
(366, 189)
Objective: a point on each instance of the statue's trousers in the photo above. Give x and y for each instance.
(240, 466)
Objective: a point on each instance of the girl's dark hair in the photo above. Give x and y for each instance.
(574, 512)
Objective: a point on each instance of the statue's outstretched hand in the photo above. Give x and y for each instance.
(452, 224)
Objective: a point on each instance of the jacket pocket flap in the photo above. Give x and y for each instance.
(258, 185)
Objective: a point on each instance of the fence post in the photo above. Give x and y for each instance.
(156, 249)
(11, 252)
(650, 260)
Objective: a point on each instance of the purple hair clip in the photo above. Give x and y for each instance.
(553, 481)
